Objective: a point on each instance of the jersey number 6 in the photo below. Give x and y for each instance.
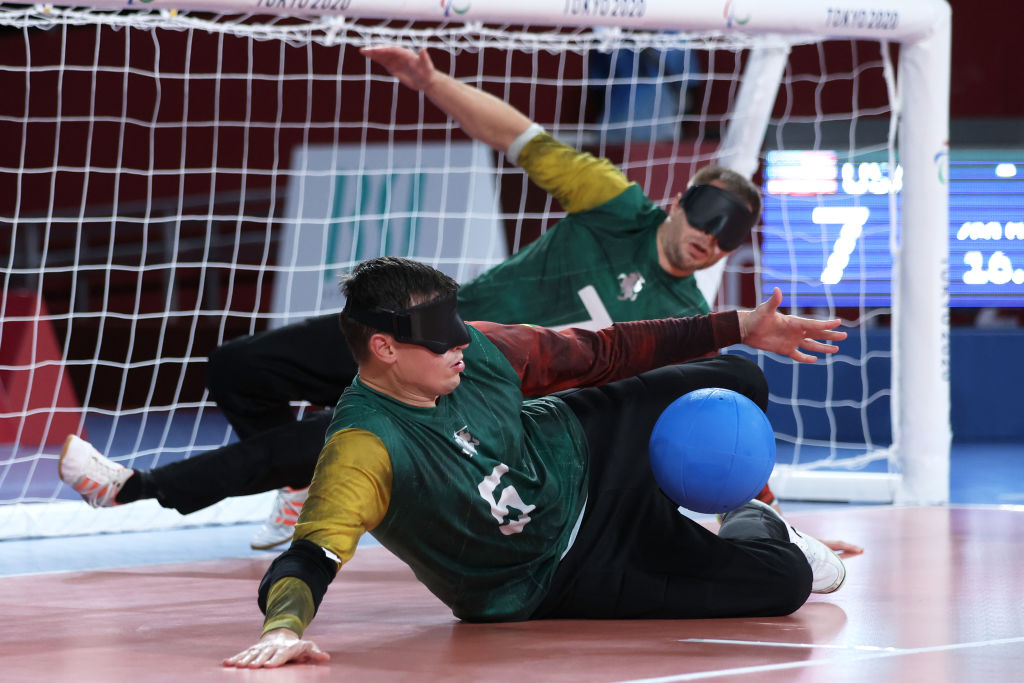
(509, 498)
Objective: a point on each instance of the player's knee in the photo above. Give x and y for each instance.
(749, 377)
(226, 366)
(794, 587)
(797, 594)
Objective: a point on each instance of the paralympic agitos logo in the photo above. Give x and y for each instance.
(941, 161)
(450, 6)
(729, 12)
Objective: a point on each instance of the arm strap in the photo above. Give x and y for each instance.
(306, 561)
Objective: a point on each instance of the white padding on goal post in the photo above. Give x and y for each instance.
(71, 518)
(790, 483)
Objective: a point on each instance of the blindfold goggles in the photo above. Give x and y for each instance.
(434, 325)
(719, 213)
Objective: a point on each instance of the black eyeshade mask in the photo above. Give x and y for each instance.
(435, 325)
(719, 213)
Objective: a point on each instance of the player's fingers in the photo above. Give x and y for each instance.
(301, 651)
(801, 357)
(821, 347)
(816, 322)
(378, 53)
(283, 656)
(264, 656)
(833, 335)
(319, 655)
(822, 327)
(241, 659)
(311, 652)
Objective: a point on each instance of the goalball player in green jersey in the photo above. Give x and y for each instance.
(508, 507)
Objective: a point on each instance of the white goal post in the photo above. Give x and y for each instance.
(60, 244)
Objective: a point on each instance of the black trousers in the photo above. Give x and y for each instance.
(283, 456)
(254, 378)
(635, 556)
(286, 455)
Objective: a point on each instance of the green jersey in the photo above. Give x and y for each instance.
(596, 266)
(487, 486)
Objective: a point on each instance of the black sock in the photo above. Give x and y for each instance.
(136, 487)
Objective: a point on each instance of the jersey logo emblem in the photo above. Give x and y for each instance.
(466, 441)
(630, 286)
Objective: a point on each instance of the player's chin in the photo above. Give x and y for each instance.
(690, 259)
(453, 383)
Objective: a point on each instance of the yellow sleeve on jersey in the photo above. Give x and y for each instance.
(289, 605)
(349, 495)
(578, 180)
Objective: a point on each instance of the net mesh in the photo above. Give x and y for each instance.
(177, 180)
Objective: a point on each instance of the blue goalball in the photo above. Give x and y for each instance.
(712, 450)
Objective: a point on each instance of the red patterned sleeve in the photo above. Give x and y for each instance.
(549, 361)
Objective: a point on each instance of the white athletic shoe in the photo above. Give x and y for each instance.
(86, 470)
(280, 526)
(827, 569)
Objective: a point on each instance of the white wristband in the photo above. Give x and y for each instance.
(512, 154)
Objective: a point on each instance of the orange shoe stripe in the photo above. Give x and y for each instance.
(86, 485)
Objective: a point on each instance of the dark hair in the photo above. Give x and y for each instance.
(733, 182)
(388, 283)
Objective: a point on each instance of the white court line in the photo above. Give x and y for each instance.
(768, 643)
(888, 652)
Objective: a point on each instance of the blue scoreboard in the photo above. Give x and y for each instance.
(826, 236)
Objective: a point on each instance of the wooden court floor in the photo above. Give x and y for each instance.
(936, 597)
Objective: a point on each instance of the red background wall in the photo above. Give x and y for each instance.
(985, 84)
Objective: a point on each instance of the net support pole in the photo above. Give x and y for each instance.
(740, 148)
(743, 139)
(920, 343)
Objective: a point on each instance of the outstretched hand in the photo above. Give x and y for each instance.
(766, 329)
(414, 70)
(275, 648)
(842, 548)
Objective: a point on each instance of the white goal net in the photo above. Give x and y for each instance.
(174, 178)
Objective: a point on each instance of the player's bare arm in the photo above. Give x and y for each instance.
(481, 115)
